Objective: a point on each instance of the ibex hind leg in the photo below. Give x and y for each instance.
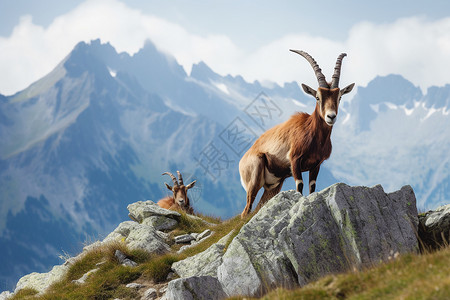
(252, 175)
(269, 194)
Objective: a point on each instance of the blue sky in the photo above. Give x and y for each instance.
(250, 38)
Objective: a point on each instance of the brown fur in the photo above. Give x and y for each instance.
(298, 145)
(169, 203)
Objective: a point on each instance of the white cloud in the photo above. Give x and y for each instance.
(414, 47)
(32, 51)
(276, 62)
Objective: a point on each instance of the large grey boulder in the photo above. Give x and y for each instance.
(293, 239)
(197, 287)
(139, 236)
(149, 213)
(160, 223)
(434, 227)
(204, 263)
(144, 209)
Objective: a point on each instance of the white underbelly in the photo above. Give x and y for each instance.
(270, 178)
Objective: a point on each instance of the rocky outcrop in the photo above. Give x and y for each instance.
(6, 295)
(293, 239)
(192, 239)
(195, 288)
(149, 213)
(434, 228)
(204, 263)
(141, 210)
(140, 236)
(145, 232)
(41, 281)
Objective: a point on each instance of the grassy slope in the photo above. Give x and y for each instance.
(410, 276)
(110, 280)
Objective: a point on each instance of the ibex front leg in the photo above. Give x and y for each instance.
(297, 173)
(312, 178)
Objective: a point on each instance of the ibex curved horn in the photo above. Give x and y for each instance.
(180, 178)
(320, 77)
(337, 71)
(175, 182)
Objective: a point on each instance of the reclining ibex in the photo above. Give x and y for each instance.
(298, 145)
(180, 199)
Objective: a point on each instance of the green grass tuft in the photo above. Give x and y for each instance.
(189, 225)
(158, 268)
(25, 294)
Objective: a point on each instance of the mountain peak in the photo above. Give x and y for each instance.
(203, 72)
(88, 57)
(96, 47)
(438, 97)
(391, 88)
(153, 58)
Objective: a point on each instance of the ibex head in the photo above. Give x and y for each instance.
(328, 95)
(179, 190)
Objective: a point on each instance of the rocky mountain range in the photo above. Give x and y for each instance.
(96, 133)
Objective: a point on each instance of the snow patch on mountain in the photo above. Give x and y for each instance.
(402, 146)
(222, 87)
(112, 72)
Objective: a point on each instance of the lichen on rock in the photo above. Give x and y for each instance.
(293, 239)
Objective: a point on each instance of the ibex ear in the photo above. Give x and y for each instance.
(168, 186)
(309, 90)
(347, 89)
(191, 184)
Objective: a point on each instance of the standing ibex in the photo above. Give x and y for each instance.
(180, 199)
(298, 145)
